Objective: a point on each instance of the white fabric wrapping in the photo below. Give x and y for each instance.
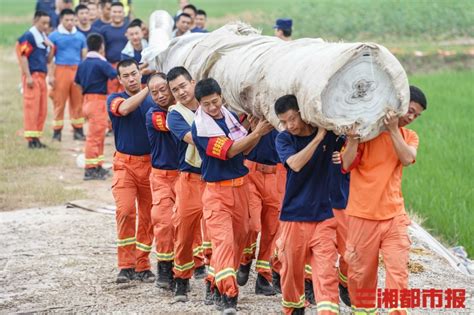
(336, 84)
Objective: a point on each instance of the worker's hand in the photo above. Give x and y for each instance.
(391, 121)
(336, 157)
(253, 121)
(51, 81)
(263, 127)
(29, 82)
(321, 133)
(352, 134)
(48, 43)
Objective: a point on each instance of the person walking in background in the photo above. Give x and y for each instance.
(200, 22)
(183, 24)
(93, 11)
(104, 15)
(83, 22)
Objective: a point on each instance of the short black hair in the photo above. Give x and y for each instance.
(286, 103)
(94, 41)
(65, 12)
(206, 87)
(417, 96)
(201, 12)
(286, 32)
(80, 7)
(185, 15)
(155, 75)
(176, 72)
(136, 22)
(190, 6)
(104, 2)
(39, 14)
(117, 4)
(125, 63)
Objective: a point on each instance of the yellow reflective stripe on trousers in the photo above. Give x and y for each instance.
(211, 271)
(165, 256)
(299, 304)
(101, 158)
(308, 269)
(251, 249)
(328, 306)
(206, 245)
(363, 311)
(77, 121)
(342, 276)
(263, 264)
(143, 247)
(58, 123)
(225, 273)
(197, 250)
(126, 241)
(92, 161)
(184, 267)
(32, 134)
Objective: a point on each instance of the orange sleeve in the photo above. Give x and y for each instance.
(114, 106)
(217, 147)
(159, 121)
(410, 137)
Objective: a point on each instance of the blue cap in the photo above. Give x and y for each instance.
(283, 24)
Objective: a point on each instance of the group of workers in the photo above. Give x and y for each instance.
(210, 190)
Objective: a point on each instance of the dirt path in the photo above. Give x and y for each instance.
(63, 260)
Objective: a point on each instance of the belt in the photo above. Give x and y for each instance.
(67, 66)
(280, 167)
(263, 168)
(95, 97)
(128, 157)
(164, 172)
(189, 175)
(236, 182)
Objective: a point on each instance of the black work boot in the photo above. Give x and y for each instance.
(243, 274)
(217, 297)
(57, 135)
(79, 134)
(344, 295)
(103, 172)
(92, 174)
(230, 304)
(145, 276)
(126, 275)
(165, 275)
(181, 290)
(263, 287)
(308, 292)
(276, 282)
(31, 144)
(38, 144)
(298, 311)
(200, 272)
(209, 298)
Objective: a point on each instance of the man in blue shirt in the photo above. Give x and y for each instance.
(132, 167)
(133, 50)
(70, 49)
(307, 224)
(83, 21)
(222, 141)
(104, 18)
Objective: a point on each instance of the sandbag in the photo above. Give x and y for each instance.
(336, 84)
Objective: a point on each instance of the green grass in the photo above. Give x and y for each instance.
(440, 186)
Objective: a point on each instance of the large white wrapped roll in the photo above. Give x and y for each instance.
(336, 84)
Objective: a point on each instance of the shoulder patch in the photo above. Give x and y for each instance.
(26, 48)
(217, 147)
(115, 104)
(159, 121)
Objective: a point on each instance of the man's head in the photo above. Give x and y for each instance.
(117, 13)
(191, 11)
(417, 105)
(181, 85)
(95, 42)
(41, 21)
(63, 4)
(288, 112)
(134, 33)
(93, 11)
(142, 26)
(283, 28)
(105, 8)
(66, 17)
(82, 14)
(183, 23)
(159, 90)
(129, 75)
(208, 93)
(200, 20)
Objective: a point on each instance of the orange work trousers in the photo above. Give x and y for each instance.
(341, 237)
(94, 109)
(365, 239)
(35, 105)
(130, 187)
(113, 85)
(226, 214)
(188, 233)
(264, 207)
(65, 90)
(297, 242)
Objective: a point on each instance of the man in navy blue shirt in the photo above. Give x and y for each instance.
(307, 226)
(132, 167)
(83, 21)
(104, 18)
(222, 141)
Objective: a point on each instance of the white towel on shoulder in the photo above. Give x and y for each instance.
(207, 127)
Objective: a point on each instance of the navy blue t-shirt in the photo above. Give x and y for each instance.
(85, 33)
(98, 24)
(130, 131)
(37, 57)
(179, 128)
(92, 75)
(307, 191)
(164, 147)
(339, 182)
(264, 152)
(213, 151)
(115, 41)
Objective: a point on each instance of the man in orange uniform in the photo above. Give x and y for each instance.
(307, 224)
(32, 50)
(221, 141)
(164, 173)
(189, 186)
(132, 168)
(92, 75)
(70, 49)
(377, 220)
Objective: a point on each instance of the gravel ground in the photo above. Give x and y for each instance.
(63, 260)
